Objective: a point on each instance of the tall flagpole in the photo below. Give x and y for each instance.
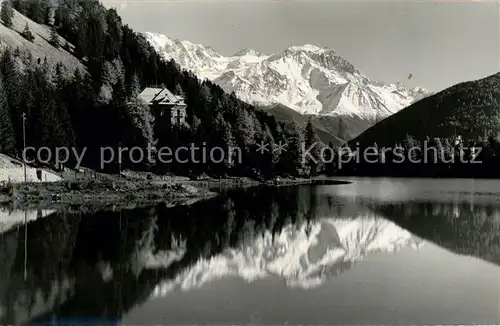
(498, 32)
(119, 160)
(25, 244)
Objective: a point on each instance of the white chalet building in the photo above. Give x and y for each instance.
(163, 102)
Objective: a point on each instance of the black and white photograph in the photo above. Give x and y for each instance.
(249, 162)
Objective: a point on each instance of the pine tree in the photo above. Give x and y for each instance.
(312, 142)
(13, 88)
(448, 149)
(65, 128)
(7, 134)
(114, 34)
(48, 120)
(92, 40)
(26, 33)
(35, 11)
(178, 90)
(54, 37)
(224, 136)
(59, 74)
(195, 126)
(19, 5)
(7, 13)
(245, 129)
(47, 12)
(203, 110)
(330, 168)
(291, 159)
(342, 130)
(134, 87)
(412, 147)
(119, 93)
(138, 125)
(58, 17)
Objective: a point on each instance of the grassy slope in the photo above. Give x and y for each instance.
(10, 37)
(40, 47)
(466, 109)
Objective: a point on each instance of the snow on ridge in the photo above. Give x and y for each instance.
(157, 40)
(145, 255)
(24, 310)
(307, 78)
(307, 48)
(301, 260)
(248, 52)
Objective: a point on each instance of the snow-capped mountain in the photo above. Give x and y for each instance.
(308, 79)
(302, 257)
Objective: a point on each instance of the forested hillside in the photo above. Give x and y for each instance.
(455, 133)
(93, 104)
(469, 109)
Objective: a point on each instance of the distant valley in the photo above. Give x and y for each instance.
(333, 130)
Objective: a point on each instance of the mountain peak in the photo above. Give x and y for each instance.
(303, 259)
(307, 48)
(247, 51)
(162, 42)
(307, 78)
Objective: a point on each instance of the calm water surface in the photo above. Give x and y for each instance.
(377, 251)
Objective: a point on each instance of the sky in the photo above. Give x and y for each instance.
(439, 43)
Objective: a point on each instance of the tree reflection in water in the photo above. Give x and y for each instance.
(101, 265)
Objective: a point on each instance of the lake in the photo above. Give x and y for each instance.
(376, 251)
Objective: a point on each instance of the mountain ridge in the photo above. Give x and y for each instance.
(469, 109)
(307, 78)
(330, 129)
(303, 259)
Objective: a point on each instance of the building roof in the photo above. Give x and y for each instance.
(149, 93)
(160, 96)
(179, 106)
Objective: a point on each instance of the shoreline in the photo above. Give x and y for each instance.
(117, 192)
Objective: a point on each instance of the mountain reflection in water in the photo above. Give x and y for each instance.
(103, 265)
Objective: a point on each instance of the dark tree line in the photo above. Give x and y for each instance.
(453, 133)
(98, 107)
(429, 157)
(74, 245)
